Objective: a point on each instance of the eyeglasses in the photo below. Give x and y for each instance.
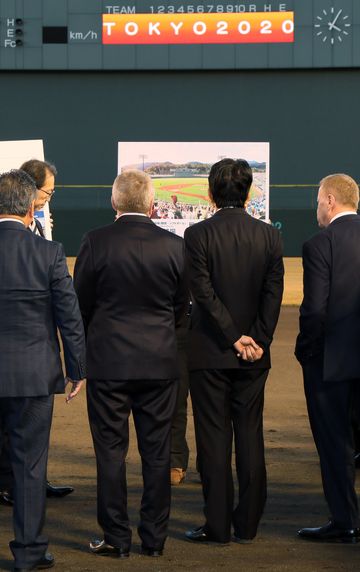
(48, 193)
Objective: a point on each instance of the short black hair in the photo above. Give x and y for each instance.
(17, 192)
(38, 171)
(229, 182)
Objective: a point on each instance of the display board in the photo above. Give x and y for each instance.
(179, 173)
(178, 34)
(15, 153)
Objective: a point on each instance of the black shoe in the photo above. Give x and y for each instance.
(6, 498)
(357, 460)
(58, 492)
(155, 552)
(200, 535)
(102, 548)
(331, 533)
(47, 561)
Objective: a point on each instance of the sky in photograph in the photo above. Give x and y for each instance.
(130, 153)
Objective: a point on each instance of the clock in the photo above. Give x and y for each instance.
(332, 25)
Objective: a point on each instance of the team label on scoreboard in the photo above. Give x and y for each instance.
(225, 28)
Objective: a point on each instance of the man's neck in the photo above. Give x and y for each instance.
(342, 212)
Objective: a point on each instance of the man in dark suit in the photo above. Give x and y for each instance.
(36, 298)
(236, 282)
(43, 174)
(356, 429)
(179, 447)
(328, 350)
(130, 280)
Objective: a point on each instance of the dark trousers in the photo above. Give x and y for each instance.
(355, 417)
(179, 446)
(152, 404)
(27, 422)
(6, 475)
(329, 407)
(229, 403)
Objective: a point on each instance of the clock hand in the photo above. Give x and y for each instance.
(335, 28)
(332, 24)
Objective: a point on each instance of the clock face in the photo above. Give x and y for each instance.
(332, 25)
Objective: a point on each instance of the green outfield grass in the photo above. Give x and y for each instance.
(191, 190)
(188, 190)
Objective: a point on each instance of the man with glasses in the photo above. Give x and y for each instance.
(43, 174)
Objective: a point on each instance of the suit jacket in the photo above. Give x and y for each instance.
(36, 298)
(330, 310)
(131, 284)
(236, 282)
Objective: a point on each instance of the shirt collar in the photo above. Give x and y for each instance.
(11, 220)
(132, 214)
(344, 213)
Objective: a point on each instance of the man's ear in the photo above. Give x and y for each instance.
(151, 206)
(32, 210)
(331, 200)
(29, 217)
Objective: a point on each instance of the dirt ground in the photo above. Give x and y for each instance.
(294, 492)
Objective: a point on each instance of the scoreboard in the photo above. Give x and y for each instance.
(178, 34)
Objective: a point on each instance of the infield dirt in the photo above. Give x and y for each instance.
(294, 492)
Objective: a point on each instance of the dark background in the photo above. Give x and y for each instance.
(310, 118)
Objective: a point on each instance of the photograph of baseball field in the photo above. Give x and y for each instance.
(188, 189)
(179, 172)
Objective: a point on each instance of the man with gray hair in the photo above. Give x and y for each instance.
(43, 174)
(36, 298)
(130, 280)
